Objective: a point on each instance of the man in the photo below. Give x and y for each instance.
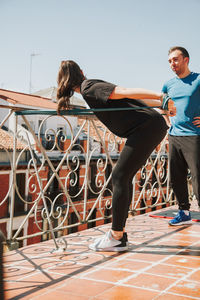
(184, 133)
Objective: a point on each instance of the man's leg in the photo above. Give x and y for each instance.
(178, 173)
(178, 178)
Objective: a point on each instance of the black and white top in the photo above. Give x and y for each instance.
(122, 123)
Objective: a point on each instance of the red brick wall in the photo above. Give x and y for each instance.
(3, 228)
(32, 228)
(4, 186)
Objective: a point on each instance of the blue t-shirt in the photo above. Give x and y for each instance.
(185, 92)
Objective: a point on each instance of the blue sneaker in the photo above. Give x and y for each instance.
(181, 219)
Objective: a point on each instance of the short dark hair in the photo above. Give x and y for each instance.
(183, 51)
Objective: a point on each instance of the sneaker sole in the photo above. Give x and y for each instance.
(111, 249)
(181, 223)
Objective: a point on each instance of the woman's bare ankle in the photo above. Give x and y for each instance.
(117, 234)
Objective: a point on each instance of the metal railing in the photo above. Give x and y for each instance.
(2, 239)
(66, 171)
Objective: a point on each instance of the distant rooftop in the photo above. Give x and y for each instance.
(16, 99)
(6, 141)
(51, 92)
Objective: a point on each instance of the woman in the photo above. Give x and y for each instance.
(143, 127)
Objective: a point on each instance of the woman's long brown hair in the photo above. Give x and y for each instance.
(70, 77)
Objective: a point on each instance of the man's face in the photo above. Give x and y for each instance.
(177, 62)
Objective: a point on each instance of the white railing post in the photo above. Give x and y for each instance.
(12, 244)
(86, 173)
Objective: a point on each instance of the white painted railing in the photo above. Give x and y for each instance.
(61, 178)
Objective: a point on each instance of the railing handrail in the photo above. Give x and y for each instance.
(79, 111)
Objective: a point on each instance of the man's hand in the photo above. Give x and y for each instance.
(196, 121)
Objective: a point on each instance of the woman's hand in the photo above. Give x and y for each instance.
(171, 112)
(197, 121)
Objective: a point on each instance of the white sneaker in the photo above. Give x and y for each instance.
(108, 243)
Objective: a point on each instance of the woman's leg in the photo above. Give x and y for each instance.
(138, 148)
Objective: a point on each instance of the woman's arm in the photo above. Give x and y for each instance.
(149, 97)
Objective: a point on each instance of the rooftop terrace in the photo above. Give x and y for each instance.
(163, 262)
(41, 198)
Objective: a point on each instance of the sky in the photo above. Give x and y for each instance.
(125, 42)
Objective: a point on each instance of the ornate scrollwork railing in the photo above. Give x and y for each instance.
(68, 165)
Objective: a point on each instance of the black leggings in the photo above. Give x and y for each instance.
(138, 147)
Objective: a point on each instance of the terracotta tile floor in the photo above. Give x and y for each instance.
(162, 263)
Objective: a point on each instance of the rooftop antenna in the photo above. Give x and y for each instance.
(31, 63)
